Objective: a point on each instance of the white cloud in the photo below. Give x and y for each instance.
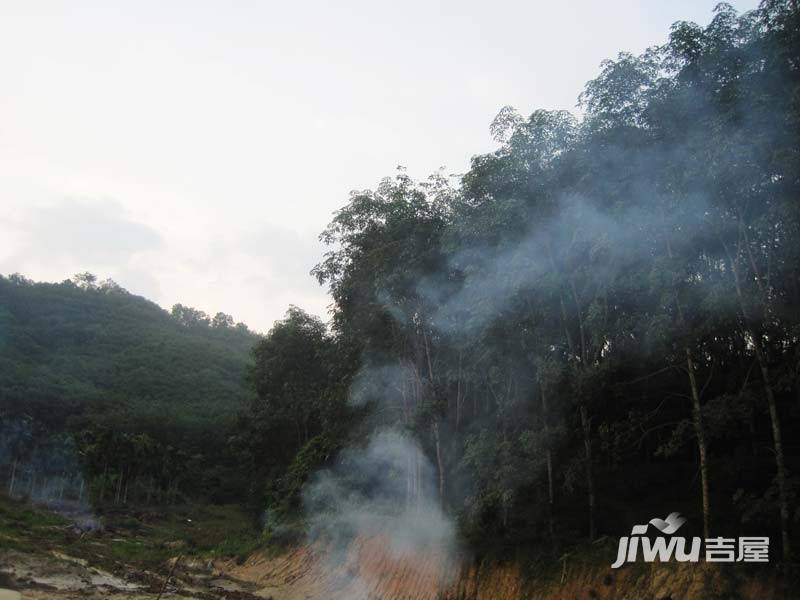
(226, 136)
(57, 239)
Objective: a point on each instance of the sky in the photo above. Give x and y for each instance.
(193, 151)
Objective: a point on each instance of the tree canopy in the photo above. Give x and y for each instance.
(598, 315)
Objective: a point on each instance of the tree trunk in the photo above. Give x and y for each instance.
(420, 491)
(439, 464)
(587, 444)
(118, 495)
(549, 462)
(13, 478)
(103, 483)
(773, 414)
(409, 478)
(459, 396)
(585, 420)
(778, 445)
(584, 413)
(579, 313)
(697, 422)
(697, 415)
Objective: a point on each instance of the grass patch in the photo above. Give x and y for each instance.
(137, 537)
(26, 528)
(240, 546)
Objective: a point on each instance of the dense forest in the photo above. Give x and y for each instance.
(597, 324)
(104, 394)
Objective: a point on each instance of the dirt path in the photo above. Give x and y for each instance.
(58, 576)
(42, 557)
(124, 555)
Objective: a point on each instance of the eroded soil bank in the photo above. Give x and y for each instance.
(366, 570)
(133, 555)
(170, 557)
(365, 573)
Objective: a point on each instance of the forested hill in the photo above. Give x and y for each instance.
(82, 352)
(597, 322)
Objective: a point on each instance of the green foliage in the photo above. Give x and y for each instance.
(581, 315)
(594, 313)
(300, 416)
(141, 396)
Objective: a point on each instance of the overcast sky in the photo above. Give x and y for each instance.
(193, 151)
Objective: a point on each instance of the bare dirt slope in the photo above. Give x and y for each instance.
(368, 571)
(41, 557)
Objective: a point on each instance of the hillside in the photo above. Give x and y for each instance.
(65, 348)
(591, 335)
(85, 359)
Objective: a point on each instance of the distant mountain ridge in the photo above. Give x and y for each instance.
(84, 349)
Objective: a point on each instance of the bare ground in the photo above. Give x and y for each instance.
(42, 557)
